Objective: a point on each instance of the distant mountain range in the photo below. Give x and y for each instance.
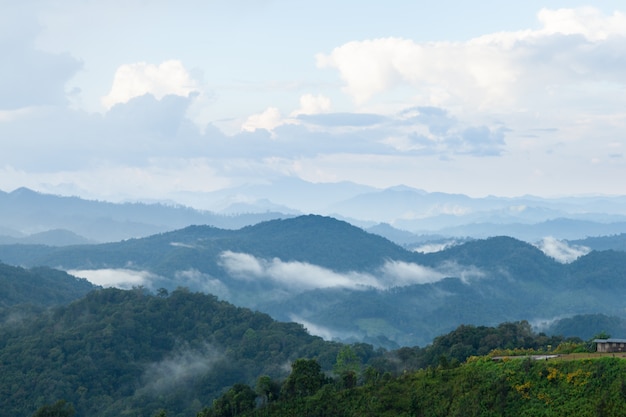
(402, 214)
(26, 214)
(342, 282)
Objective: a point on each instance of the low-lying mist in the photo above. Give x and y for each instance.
(302, 276)
(118, 278)
(561, 250)
(181, 367)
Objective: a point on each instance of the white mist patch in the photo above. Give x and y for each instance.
(195, 279)
(302, 276)
(118, 278)
(560, 250)
(400, 274)
(242, 265)
(182, 245)
(465, 273)
(321, 331)
(180, 368)
(296, 275)
(543, 324)
(435, 247)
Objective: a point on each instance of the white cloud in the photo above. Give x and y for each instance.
(560, 250)
(505, 71)
(370, 66)
(138, 79)
(545, 101)
(268, 120)
(310, 104)
(586, 21)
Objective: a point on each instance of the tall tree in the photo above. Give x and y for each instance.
(305, 379)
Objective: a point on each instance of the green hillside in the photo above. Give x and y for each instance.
(479, 388)
(115, 352)
(39, 286)
(318, 240)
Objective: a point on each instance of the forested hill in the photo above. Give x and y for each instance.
(125, 352)
(344, 283)
(480, 388)
(318, 240)
(39, 286)
(115, 352)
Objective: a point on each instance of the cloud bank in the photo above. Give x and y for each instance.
(301, 276)
(507, 70)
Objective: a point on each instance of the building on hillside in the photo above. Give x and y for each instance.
(610, 345)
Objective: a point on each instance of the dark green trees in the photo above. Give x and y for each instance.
(347, 367)
(267, 389)
(237, 400)
(58, 409)
(305, 379)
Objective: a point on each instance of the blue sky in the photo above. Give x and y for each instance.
(140, 99)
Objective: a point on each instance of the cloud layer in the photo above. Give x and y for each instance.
(536, 110)
(500, 71)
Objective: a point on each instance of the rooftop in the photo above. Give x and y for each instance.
(611, 340)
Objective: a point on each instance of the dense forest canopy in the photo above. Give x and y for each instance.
(41, 286)
(117, 351)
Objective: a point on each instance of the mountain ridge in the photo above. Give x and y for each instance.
(413, 210)
(335, 278)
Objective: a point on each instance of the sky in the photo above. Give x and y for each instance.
(146, 100)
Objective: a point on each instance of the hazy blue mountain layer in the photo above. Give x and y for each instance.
(342, 282)
(410, 211)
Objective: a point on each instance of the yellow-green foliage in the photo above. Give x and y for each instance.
(480, 387)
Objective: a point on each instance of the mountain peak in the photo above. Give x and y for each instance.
(403, 188)
(23, 191)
